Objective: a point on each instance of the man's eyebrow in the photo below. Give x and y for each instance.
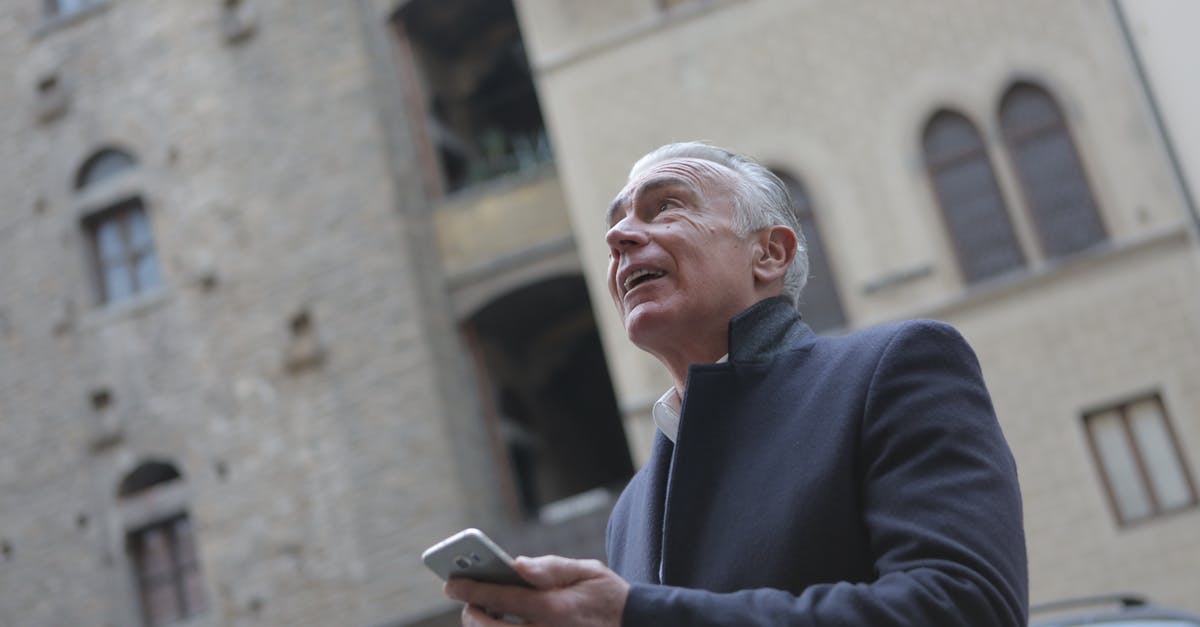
(612, 210)
(648, 186)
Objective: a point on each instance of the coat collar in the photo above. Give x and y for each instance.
(766, 328)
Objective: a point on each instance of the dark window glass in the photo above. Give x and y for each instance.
(168, 573)
(819, 302)
(124, 251)
(67, 7)
(971, 204)
(1060, 200)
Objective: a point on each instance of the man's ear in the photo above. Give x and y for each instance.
(777, 248)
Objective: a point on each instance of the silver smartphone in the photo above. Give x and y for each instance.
(471, 554)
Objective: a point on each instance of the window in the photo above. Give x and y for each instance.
(1060, 200)
(161, 544)
(67, 7)
(1139, 459)
(819, 302)
(124, 251)
(122, 241)
(972, 207)
(168, 574)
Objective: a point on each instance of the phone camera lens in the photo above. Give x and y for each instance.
(462, 562)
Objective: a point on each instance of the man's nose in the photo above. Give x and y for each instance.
(626, 233)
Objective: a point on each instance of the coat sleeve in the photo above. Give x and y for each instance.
(941, 505)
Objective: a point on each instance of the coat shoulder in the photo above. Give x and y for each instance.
(880, 336)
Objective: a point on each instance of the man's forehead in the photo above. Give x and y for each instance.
(682, 172)
(685, 170)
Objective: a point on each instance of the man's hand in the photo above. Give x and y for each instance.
(570, 593)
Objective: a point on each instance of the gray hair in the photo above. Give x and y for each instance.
(761, 200)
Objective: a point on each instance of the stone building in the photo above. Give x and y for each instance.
(295, 288)
(995, 165)
(234, 388)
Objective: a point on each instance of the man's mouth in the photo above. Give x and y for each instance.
(641, 275)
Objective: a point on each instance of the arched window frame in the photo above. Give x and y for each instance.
(104, 164)
(114, 218)
(1057, 236)
(160, 543)
(968, 234)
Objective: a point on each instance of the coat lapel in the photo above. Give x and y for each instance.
(644, 564)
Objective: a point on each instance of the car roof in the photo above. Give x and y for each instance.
(1131, 611)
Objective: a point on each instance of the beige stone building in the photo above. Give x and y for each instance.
(295, 288)
(995, 165)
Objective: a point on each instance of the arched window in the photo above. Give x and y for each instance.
(971, 203)
(103, 165)
(161, 544)
(122, 240)
(819, 302)
(1060, 200)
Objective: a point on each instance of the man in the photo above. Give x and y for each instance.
(795, 479)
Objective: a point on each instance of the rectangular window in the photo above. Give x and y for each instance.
(168, 574)
(1139, 459)
(66, 7)
(123, 245)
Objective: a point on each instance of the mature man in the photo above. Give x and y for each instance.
(795, 479)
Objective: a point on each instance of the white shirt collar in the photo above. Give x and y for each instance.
(666, 414)
(667, 408)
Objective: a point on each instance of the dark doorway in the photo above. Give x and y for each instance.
(551, 399)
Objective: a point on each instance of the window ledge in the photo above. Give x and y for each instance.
(500, 183)
(1164, 516)
(1043, 272)
(134, 306)
(155, 504)
(51, 23)
(106, 194)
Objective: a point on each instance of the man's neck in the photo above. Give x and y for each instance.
(678, 365)
(757, 329)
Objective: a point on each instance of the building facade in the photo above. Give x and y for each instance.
(995, 165)
(294, 289)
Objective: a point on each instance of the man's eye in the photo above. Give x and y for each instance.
(664, 206)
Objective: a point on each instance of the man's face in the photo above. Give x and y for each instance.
(677, 270)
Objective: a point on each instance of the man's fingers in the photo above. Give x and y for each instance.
(496, 598)
(554, 571)
(473, 616)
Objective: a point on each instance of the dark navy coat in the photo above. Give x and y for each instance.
(859, 480)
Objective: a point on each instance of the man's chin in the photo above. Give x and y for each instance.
(643, 323)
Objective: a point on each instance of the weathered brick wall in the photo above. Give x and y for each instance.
(275, 185)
